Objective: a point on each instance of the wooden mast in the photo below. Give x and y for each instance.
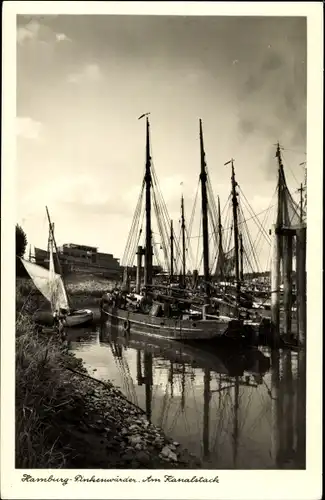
(52, 240)
(236, 235)
(183, 243)
(148, 182)
(203, 179)
(171, 251)
(241, 251)
(220, 257)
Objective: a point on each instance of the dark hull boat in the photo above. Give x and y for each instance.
(153, 319)
(169, 328)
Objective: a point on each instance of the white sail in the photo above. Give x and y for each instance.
(49, 284)
(59, 298)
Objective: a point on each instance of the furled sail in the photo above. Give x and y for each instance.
(49, 284)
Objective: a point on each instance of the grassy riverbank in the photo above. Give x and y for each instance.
(66, 420)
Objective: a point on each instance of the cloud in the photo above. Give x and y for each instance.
(90, 72)
(28, 128)
(61, 37)
(28, 32)
(34, 31)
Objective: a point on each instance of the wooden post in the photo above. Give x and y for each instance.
(301, 284)
(139, 265)
(275, 282)
(287, 281)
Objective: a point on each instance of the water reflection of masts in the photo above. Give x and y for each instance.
(183, 388)
(301, 409)
(288, 406)
(236, 426)
(148, 381)
(147, 378)
(139, 369)
(276, 410)
(206, 412)
(171, 379)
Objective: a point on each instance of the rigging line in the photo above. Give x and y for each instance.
(288, 166)
(255, 257)
(294, 151)
(162, 231)
(194, 208)
(246, 220)
(134, 221)
(248, 242)
(197, 248)
(138, 233)
(189, 252)
(254, 217)
(264, 224)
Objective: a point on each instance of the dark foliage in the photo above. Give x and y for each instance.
(21, 244)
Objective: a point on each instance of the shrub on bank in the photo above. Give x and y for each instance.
(43, 389)
(43, 385)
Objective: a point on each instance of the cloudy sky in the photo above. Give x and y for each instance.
(82, 82)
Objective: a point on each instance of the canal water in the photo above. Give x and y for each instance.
(233, 409)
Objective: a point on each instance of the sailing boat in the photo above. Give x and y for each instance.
(155, 318)
(52, 287)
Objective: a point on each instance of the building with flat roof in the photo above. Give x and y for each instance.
(82, 258)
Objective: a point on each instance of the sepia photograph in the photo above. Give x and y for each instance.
(160, 245)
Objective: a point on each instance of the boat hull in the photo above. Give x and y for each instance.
(169, 328)
(78, 318)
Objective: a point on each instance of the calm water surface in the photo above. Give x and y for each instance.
(235, 410)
